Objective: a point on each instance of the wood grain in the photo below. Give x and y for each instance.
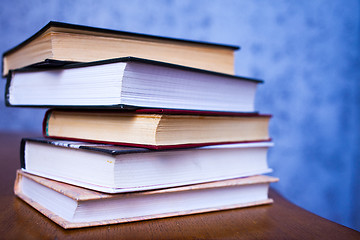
(281, 220)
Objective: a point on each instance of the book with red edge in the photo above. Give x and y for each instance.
(156, 128)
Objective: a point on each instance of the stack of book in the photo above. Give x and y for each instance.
(138, 127)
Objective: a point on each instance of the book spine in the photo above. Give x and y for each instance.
(17, 189)
(22, 153)
(45, 122)
(7, 89)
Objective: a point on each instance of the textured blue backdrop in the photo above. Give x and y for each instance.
(307, 52)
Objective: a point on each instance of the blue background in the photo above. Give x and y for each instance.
(306, 51)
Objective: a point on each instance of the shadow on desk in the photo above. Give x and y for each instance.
(200, 226)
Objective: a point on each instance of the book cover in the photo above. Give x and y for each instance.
(130, 83)
(156, 128)
(120, 208)
(129, 169)
(107, 43)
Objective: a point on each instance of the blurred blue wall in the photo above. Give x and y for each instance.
(307, 53)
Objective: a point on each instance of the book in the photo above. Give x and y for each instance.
(156, 129)
(57, 42)
(74, 207)
(115, 169)
(131, 83)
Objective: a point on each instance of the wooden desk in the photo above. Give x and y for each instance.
(282, 220)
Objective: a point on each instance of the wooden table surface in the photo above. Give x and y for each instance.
(281, 220)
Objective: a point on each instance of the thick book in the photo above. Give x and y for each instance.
(59, 43)
(156, 129)
(114, 169)
(74, 207)
(131, 83)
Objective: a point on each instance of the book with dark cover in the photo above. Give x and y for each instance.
(113, 169)
(131, 82)
(74, 207)
(70, 42)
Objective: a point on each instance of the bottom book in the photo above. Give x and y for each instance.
(75, 207)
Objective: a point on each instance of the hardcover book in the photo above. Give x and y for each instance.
(112, 169)
(156, 129)
(74, 207)
(60, 43)
(131, 83)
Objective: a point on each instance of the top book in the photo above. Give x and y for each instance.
(58, 43)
